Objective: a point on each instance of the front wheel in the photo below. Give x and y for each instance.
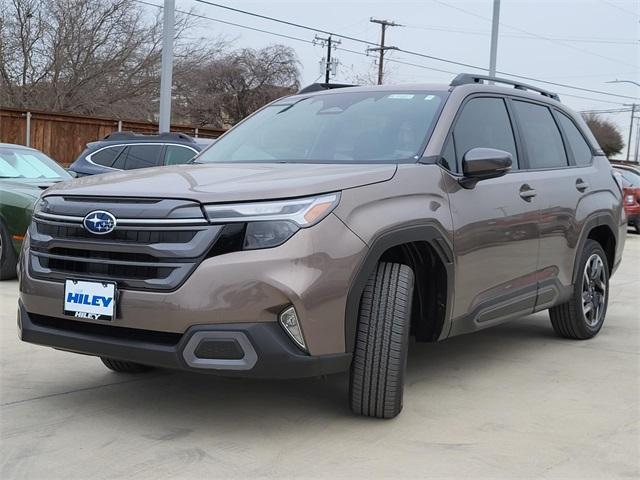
(583, 315)
(382, 337)
(122, 366)
(8, 260)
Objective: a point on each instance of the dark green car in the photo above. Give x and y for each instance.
(24, 174)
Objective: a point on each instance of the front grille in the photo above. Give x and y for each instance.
(133, 236)
(136, 256)
(106, 270)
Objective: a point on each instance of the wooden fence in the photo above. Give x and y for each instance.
(63, 136)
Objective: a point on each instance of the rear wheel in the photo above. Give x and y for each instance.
(122, 366)
(380, 354)
(8, 260)
(583, 315)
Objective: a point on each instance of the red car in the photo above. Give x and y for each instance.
(631, 184)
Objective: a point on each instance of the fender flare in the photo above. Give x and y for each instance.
(595, 220)
(432, 233)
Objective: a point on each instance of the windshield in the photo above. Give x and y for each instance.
(24, 163)
(349, 127)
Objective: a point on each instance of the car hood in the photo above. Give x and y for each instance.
(26, 187)
(227, 182)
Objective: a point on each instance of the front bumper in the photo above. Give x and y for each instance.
(266, 350)
(312, 271)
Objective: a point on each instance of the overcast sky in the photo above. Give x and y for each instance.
(579, 42)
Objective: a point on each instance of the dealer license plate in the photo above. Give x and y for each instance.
(92, 300)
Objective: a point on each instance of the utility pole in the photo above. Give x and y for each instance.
(494, 38)
(382, 48)
(167, 66)
(328, 65)
(637, 143)
(633, 111)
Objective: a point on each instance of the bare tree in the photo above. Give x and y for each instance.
(229, 86)
(607, 134)
(102, 57)
(83, 56)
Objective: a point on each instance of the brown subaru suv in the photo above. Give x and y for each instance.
(320, 233)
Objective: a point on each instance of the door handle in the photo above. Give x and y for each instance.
(527, 193)
(581, 185)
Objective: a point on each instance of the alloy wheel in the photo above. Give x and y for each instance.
(594, 290)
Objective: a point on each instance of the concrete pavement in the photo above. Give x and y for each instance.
(514, 401)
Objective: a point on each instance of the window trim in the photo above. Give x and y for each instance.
(524, 142)
(512, 122)
(162, 144)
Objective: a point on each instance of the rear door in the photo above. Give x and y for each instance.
(559, 167)
(495, 223)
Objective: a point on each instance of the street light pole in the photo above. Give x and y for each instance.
(167, 66)
(494, 38)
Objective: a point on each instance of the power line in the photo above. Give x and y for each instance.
(531, 37)
(392, 60)
(534, 34)
(431, 57)
(620, 8)
(285, 22)
(191, 14)
(613, 110)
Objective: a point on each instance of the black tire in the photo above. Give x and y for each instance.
(122, 366)
(569, 319)
(8, 258)
(382, 337)
(637, 227)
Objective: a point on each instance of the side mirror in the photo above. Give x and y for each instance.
(483, 163)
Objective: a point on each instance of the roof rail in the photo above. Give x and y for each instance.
(467, 78)
(141, 136)
(317, 87)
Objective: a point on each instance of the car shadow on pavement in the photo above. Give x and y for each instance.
(207, 401)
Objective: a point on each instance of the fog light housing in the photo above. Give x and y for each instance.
(289, 321)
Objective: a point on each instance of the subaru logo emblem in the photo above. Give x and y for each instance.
(99, 222)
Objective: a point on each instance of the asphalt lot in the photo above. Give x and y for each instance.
(512, 401)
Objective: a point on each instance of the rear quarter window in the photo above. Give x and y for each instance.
(578, 145)
(107, 156)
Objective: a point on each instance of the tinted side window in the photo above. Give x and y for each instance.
(579, 147)
(543, 142)
(484, 122)
(107, 156)
(175, 155)
(142, 156)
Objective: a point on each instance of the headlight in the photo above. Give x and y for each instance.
(271, 223)
(304, 212)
